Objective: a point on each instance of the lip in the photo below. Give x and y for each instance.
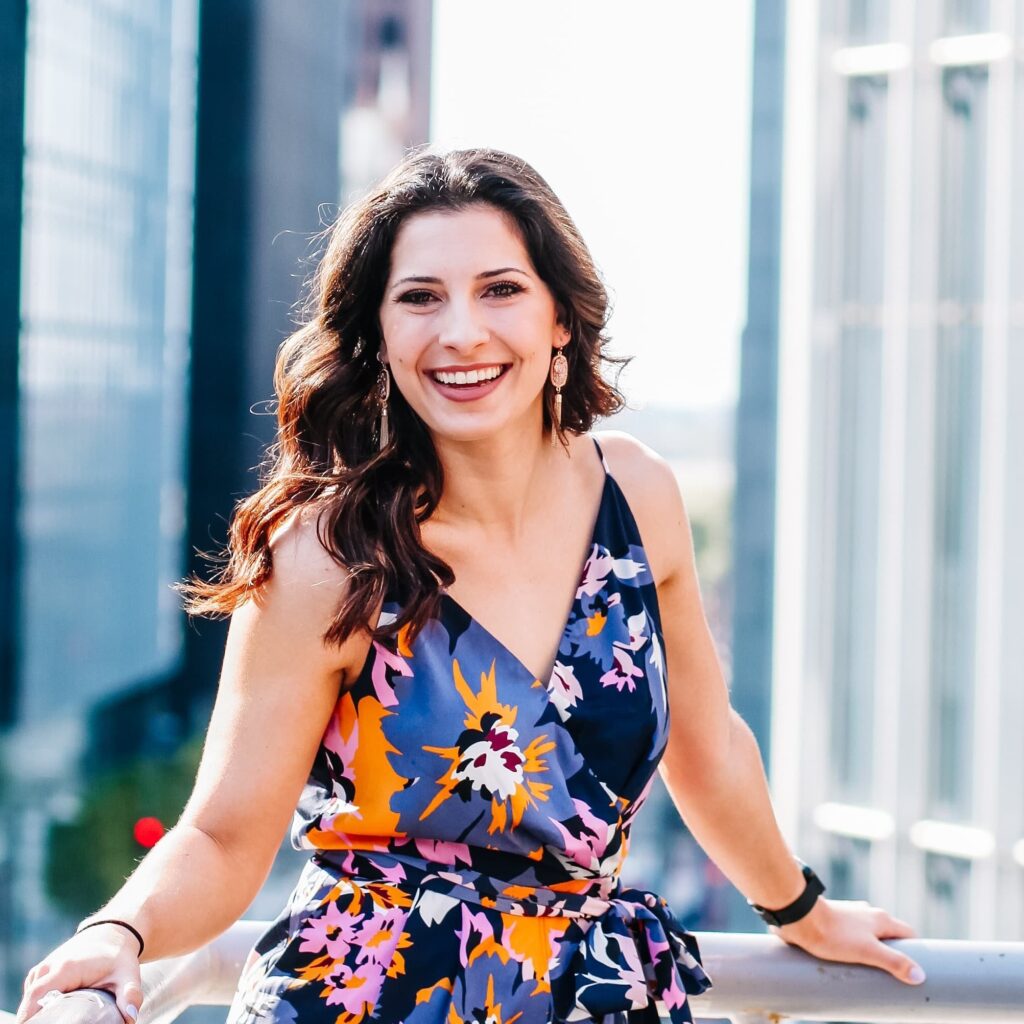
(466, 392)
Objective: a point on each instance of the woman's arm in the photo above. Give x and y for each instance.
(712, 766)
(278, 686)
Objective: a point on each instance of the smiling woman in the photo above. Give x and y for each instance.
(465, 781)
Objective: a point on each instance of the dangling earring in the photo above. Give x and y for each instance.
(383, 394)
(559, 375)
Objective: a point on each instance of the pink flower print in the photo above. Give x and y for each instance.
(476, 937)
(332, 933)
(595, 572)
(383, 660)
(379, 934)
(672, 995)
(355, 990)
(565, 689)
(441, 852)
(587, 847)
(623, 671)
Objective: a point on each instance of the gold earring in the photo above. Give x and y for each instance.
(559, 375)
(383, 394)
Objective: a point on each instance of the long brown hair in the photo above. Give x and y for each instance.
(326, 453)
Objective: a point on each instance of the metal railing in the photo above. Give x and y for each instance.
(757, 978)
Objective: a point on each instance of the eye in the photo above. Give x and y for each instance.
(507, 284)
(420, 297)
(411, 297)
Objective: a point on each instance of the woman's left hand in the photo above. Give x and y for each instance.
(851, 931)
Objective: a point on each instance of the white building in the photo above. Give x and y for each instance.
(898, 710)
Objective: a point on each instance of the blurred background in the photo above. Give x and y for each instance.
(806, 218)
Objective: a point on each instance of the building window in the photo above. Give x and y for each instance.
(856, 428)
(946, 909)
(956, 439)
(849, 864)
(109, 136)
(867, 21)
(962, 17)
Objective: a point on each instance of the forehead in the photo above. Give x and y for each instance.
(432, 241)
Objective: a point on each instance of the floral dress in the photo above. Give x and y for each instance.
(468, 823)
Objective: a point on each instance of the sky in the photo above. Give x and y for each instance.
(638, 116)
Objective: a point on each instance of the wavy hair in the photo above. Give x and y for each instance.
(326, 454)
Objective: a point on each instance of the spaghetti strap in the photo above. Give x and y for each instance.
(600, 452)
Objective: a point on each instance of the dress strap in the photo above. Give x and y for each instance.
(604, 461)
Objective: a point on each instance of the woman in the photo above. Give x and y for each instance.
(458, 621)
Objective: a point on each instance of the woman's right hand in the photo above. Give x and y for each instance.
(102, 956)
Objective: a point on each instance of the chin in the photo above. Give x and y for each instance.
(468, 429)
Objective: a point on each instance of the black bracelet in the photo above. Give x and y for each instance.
(110, 920)
(813, 888)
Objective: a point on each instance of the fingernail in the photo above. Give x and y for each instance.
(132, 1011)
(916, 975)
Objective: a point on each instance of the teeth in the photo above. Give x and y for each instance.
(467, 377)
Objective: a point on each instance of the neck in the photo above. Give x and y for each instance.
(498, 485)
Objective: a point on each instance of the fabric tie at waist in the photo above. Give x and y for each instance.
(630, 950)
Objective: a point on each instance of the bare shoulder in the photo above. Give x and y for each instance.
(299, 556)
(300, 599)
(652, 489)
(279, 684)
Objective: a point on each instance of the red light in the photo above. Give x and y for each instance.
(148, 831)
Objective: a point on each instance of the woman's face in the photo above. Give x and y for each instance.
(468, 325)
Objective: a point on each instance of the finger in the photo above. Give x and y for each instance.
(37, 972)
(899, 965)
(894, 928)
(129, 999)
(64, 979)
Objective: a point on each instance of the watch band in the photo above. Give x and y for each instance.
(813, 888)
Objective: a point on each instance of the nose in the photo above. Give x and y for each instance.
(462, 326)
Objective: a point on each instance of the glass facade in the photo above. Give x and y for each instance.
(867, 21)
(856, 428)
(956, 454)
(848, 868)
(103, 361)
(903, 436)
(946, 909)
(962, 17)
(109, 156)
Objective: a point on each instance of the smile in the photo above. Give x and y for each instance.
(475, 376)
(469, 384)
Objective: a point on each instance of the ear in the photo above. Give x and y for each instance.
(382, 352)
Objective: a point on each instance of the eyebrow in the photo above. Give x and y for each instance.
(437, 280)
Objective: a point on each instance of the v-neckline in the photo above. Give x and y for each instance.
(544, 680)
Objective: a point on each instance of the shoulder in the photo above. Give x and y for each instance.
(651, 488)
(298, 602)
(298, 554)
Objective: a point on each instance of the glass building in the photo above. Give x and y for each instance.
(899, 588)
(102, 349)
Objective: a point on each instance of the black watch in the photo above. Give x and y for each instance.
(800, 906)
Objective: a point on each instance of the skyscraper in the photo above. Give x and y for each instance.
(898, 700)
(98, 179)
